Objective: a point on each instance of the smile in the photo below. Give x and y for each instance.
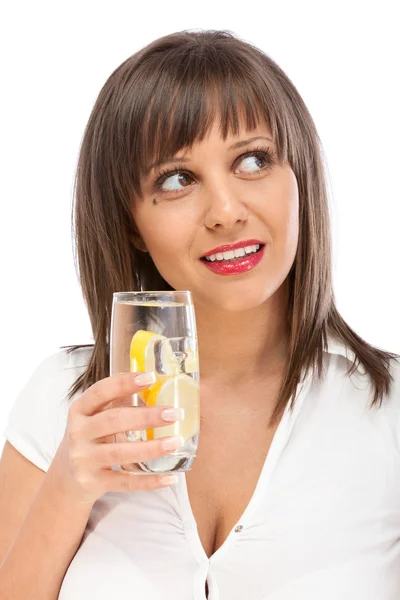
(229, 263)
(232, 255)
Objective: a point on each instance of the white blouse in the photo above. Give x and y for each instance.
(323, 522)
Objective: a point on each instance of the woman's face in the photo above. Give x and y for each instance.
(218, 198)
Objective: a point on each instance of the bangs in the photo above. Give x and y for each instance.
(186, 94)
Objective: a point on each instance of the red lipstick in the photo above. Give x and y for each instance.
(237, 265)
(234, 246)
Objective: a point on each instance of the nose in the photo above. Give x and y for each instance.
(224, 208)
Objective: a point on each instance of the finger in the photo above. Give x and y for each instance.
(101, 393)
(115, 481)
(117, 420)
(123, 453)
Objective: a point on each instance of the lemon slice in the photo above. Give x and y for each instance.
(137, 352)
(182, 391)
(142, 353)
(139, 344)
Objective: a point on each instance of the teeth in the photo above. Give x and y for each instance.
(239, 252)
(232, 254)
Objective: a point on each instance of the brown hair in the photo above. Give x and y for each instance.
(160, 100)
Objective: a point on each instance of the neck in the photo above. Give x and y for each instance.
(244, 346)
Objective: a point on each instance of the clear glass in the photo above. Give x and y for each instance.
(156, 331)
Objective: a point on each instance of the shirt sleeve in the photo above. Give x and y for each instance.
(38, 418)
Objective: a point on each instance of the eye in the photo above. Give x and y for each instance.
(168, 179)
(248, 161)
(254, 161)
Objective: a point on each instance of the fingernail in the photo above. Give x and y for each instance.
(169, 480)
(145, 378)
(173, 443)
(173, 414)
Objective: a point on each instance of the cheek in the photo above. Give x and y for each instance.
(290, 228)
(162, 242)
(291, 216)
(282, 213)
(166, 239)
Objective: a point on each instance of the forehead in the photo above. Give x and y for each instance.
(216, 127)
(215, 132)
(213, 137)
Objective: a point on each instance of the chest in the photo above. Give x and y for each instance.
(230, 458)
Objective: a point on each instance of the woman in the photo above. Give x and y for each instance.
(198, 145)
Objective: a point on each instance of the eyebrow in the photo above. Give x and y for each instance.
(181, 159)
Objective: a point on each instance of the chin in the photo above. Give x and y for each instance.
(236, 294)
(231, 302)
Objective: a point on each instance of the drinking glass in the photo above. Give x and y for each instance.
(156, 331)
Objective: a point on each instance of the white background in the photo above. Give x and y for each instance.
(343, 57)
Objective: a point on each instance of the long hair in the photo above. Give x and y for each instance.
(162, 99)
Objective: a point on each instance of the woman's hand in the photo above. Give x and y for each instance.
(85, 454)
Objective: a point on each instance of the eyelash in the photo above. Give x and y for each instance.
(259, 151)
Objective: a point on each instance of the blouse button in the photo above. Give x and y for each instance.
(238, 528)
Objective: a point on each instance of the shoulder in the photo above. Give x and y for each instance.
(352, 395)
(57, 372)
(38, 417)
(69, 364)
(62, 361)
(341, 358)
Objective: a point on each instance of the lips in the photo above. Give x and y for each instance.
(233, 255)
(235, 266)
(234, 246)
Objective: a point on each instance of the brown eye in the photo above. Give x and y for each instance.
(176, 177)
(248, 162)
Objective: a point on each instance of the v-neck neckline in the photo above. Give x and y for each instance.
(277, 446)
